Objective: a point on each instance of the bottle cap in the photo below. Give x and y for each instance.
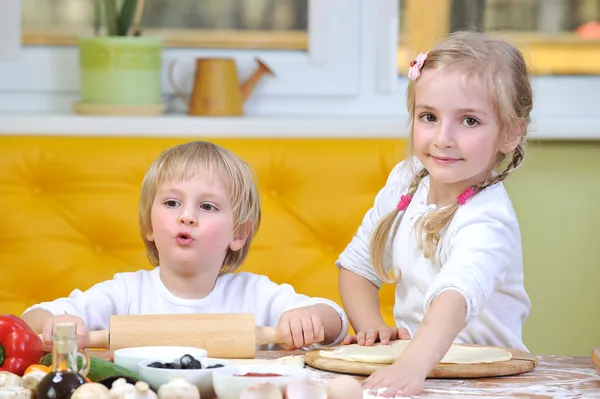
(64, 329)
(62, 332)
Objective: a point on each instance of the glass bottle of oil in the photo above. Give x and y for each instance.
(64, 378)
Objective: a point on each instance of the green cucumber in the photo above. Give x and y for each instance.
(99, 369)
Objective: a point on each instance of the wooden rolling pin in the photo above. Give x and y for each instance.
(221, 335)
(596, 358)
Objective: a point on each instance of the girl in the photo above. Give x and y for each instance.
(443, 227)
(199, 210)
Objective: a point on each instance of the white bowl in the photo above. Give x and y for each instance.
(229, 382)
(130, 357)
(201, 378)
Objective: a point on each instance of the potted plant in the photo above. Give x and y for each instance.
(120, 68)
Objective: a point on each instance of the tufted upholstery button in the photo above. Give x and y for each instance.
(90, 210)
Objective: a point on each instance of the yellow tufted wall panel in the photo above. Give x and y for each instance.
(69, 209)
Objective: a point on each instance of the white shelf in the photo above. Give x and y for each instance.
(174, 125)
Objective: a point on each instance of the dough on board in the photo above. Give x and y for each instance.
(387, 354)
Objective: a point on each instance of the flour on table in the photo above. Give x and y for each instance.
(387, 354)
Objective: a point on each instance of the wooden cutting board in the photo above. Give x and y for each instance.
(521, 362)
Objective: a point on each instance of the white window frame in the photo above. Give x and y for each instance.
(350, 41)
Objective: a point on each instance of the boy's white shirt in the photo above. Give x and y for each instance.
(143, 292)
(479, 255)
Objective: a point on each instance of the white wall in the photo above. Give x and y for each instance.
(347, 81)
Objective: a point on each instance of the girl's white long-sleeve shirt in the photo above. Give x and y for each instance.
(143, 292)
(479, 255)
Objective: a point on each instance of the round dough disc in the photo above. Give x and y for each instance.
(387, 354)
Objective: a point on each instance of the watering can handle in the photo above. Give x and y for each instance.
(178, 92)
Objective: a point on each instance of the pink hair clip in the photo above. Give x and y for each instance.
(468, 193)
(415, 66)
(404, 201)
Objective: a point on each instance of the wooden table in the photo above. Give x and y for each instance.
(555, 377)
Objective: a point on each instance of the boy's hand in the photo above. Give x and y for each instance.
(384, 334)
(300, 327)
(80, 329)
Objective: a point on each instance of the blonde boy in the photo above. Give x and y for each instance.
(199, 210)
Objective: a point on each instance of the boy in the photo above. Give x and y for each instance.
(199, 210)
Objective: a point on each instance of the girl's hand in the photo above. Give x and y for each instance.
(300, 327)
(80, 329)
(384, 334)
(405, 377)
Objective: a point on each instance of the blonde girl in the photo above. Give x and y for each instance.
(443, 228)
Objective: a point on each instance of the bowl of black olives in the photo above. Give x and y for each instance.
(195, 370)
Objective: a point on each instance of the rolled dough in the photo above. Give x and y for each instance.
(387, 354)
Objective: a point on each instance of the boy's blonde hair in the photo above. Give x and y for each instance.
(502, 69)
(188, 160)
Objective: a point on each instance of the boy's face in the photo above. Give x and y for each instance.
(192, 225)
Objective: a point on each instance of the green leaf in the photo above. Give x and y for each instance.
(2, 355)
(110, 13)
(126, 16)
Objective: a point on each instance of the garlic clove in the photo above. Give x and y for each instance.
(178, 388)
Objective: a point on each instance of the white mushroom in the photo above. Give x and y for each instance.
(178, 388)
(265, 390)
(91, 390)
(15, 393)
(8, 379)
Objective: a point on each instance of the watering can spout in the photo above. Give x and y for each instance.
(248, 86)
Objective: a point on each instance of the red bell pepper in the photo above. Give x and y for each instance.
(20, 346)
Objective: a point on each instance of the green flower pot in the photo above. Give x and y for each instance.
(120, 70)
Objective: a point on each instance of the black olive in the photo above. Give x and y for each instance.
(157, 365)
(214, 366)
(195, 365)
(172, 366)
(186, 360)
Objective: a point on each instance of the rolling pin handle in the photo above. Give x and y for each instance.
(98, 339)
(268, 335)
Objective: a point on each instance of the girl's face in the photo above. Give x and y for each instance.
(457, 134)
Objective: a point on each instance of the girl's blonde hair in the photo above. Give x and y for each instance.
(188, 160)
(500, 66)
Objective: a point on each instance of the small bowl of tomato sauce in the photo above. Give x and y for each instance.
(229, 382)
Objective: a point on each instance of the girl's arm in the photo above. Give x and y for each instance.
(443, 321)
(361, 301)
